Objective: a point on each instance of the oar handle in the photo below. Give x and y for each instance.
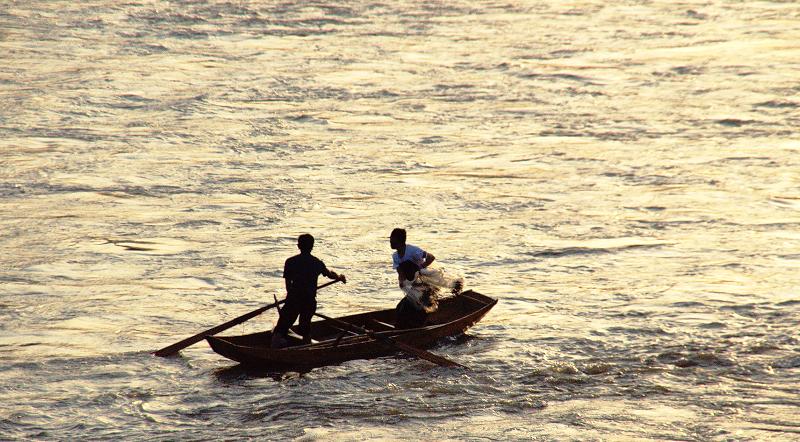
(328, 283)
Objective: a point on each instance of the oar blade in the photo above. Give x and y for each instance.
(178, 346)
(428, 356)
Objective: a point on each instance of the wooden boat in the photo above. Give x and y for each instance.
(332, 344)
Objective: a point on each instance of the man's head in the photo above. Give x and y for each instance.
(397, 238)
(305, 242)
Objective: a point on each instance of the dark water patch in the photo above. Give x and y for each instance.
(79, 134)
(190, 34)
(561, 133)
(578, 251)
(713, 326)
(308, 119)
(691, 13)
(236, 374)
(134, 47)
(8, 189)
(745, 159)
(565, 53)
(680, 71)
(137, 98)
(284, 91)
(88, 23)
(787, 363)
(636, 179)
(686, 359)
(734, 122)
(790, 303)
(432, 140)
(631, 314)
(655, 208)
(761, 347)
(687, 304)
(459, 94)
(157, 191)
(778, 104)
(560, 77)
(510, 206)
(197, 223)
(134, 245)
(125, 102)
(597, 368)
(749, 310)
(640, 331)
(171, 17)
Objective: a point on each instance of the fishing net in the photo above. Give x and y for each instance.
(429, 285)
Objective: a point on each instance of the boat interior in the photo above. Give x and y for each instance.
(381, 321)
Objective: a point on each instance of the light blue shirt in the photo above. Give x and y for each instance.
(413, 254)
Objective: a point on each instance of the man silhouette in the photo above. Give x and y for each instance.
(301, 272)
(407, 252)
(407, 260)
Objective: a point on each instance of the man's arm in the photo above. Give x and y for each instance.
(428, 260)
(333, 275)
(287, 276)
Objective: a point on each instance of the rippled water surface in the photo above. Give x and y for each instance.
(622, 176)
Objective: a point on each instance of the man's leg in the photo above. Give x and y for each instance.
(287, 317)
(306, 313)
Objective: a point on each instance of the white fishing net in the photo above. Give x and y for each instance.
(429, 286)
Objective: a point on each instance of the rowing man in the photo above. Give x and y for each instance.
(301, 273)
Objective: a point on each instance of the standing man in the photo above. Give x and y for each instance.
(407, 252)
(301, 272)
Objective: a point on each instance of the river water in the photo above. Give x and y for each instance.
(623, 176)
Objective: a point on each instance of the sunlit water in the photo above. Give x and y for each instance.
(623, 176)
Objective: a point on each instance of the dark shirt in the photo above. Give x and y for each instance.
(302, 271)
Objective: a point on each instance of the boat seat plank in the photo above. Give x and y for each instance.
(343, 330)
(381, 324)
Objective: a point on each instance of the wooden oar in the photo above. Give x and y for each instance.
(418, 352)
(178, 346)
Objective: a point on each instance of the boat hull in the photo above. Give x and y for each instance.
(333, 345)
